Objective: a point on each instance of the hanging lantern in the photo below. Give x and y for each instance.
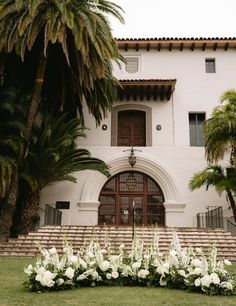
(132, 158)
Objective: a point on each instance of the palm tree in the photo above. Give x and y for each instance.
(61, 52)
(52, 157)
(13, 139)
(220, 130)
(67, 48)
(220, 135)
(215, 176)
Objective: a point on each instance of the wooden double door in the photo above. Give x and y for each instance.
(131, 207)
(131, 197)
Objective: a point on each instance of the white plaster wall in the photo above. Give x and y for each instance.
(195, 91)
(180, 163)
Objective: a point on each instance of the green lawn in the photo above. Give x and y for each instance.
(12, 292)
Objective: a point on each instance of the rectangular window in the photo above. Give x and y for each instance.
(196, 129)
(62, 205)
(210, 65)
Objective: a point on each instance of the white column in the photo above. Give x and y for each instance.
(88, 212)
(174, 213)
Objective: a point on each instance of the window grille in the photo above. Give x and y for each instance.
(136, 197)
(132, 64)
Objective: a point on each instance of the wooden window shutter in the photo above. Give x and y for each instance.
(131, 128)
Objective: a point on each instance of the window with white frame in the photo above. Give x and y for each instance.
(210, 64)
(196, 129)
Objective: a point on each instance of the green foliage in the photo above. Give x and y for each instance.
(212, 176)
(53, 155)
(142, 266)
(48, 154)
(78, 46)
(14, 294)
(220, 130)
(13, 136)
(61, 52)
(220, 133)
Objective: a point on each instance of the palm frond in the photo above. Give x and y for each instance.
(212, 176)
(220, 129)
(53, 155)
(87, 47)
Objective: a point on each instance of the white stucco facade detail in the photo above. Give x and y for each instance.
(168, 158)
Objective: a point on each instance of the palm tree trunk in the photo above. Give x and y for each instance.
(7, 208)
(232, 203)
(30, 214)
(2, 64)
(38, 84)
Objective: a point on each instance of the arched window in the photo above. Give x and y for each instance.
(131, 194)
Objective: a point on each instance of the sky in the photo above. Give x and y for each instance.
(176, 18)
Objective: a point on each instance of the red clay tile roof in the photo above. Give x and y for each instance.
(146, 89)
(170, 43)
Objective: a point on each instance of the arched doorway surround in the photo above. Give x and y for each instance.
(131, 197)
(174, 204)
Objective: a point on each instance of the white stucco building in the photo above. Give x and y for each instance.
(170, 86)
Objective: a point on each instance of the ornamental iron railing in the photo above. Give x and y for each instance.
(213, 218)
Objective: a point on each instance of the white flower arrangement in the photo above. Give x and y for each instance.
(93, 265)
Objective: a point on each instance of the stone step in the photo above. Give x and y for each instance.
(128, 229)
(127, 233)
(119, 241)
(50, 236)
(112, 236)
(76, 248)
(35, 250)
(221, 248)
(122, 239)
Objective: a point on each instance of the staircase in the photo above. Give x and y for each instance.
(52, 236)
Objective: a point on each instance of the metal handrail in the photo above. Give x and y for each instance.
(231, 227)
(212, 218)
(52, 215)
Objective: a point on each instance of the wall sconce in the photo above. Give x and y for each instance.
(104, 127)
(158, 127)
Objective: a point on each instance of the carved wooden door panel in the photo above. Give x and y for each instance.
(131, 128)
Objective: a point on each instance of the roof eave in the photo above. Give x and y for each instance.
(176, 43)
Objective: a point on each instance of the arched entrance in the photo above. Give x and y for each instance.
(129, 194)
